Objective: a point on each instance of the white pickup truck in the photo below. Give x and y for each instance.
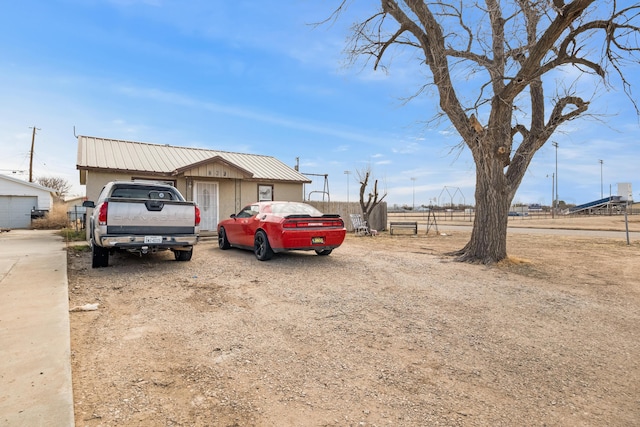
(141, 217)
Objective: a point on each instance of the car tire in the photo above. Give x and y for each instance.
(183, 255)
(324, 252)
(223, 242)
(99, 256)
(261, 247)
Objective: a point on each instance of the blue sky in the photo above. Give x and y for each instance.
(255, 77)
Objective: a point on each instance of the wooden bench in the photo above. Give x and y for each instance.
(413, 226)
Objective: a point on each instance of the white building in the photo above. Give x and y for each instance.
(19, 198)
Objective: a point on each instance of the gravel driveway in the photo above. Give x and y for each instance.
(384, 331)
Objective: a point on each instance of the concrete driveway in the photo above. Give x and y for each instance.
(35, 368)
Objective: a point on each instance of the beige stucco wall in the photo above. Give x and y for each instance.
(234, 197)
(215, 170)
(289, 192)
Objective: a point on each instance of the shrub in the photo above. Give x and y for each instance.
(55, 219)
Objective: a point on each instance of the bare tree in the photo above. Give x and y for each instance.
(511, 48)
(373, 196)
(60, 185)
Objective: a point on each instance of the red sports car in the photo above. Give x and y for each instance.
(269, 227)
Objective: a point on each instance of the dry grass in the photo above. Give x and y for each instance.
(388, 330)
(55, 219)
(513, 260)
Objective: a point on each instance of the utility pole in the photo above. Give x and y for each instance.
(33, 141)
(553, 194)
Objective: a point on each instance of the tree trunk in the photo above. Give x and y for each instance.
(488, 242)
(372, 199)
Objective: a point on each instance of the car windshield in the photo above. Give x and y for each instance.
(285, 209)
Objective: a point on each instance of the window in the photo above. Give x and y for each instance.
(265, 193)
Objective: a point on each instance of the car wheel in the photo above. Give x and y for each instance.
(99, 256)
(183, 255)
(324, 251)
(261, 246)
(223, 242)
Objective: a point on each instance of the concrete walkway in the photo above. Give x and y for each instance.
(35, 359)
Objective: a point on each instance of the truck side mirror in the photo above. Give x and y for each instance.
(88, 204)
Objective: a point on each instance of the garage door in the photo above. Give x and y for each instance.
(15, 211)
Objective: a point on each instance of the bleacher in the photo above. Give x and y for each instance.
(604, 203)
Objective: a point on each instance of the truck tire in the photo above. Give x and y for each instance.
(183, 255)
(99, 256)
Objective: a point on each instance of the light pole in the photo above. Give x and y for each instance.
(553, 181)
(414, 193)
(601, 187)
(347, 173)
(555, 201)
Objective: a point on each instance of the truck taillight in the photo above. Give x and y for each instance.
(197, 216)
(102, 213)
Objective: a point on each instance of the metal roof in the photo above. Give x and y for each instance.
(28, 184)
(113, 154)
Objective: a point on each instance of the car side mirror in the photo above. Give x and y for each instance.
(232, 216)
(88, 204)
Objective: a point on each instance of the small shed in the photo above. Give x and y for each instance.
(20, 199)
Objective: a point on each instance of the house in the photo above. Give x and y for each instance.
(75, 211)
(220, 182)
(19, 200)
(74, 202)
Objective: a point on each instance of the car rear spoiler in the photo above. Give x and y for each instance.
(309, 216)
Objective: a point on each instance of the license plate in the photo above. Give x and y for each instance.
(317, 240)
(153, 239)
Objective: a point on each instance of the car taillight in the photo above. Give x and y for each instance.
(102, 213)
(197, 216)
(337, 223)
(314, 223)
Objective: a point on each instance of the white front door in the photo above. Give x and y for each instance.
(207, 200)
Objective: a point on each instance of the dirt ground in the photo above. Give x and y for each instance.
(387, 330)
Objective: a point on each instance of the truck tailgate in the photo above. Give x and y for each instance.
(134, 216)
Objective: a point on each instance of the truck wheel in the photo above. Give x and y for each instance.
(223, 242)
(99, 256)
(261, 246)
(183, 255)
